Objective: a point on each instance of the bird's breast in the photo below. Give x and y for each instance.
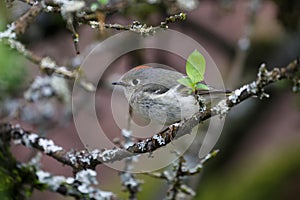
(166, 108)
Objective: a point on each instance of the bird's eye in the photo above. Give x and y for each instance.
(135, 81)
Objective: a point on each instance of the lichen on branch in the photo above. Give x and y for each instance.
(89, 160)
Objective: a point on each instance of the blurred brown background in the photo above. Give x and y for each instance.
(260, 144)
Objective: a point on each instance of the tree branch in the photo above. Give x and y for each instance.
(138, 27)
(175, 176)
(27, 18)
(84, 159)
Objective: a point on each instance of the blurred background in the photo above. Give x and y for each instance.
(260, 143)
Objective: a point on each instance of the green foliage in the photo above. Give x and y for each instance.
(16, 181)
(201, 86)
(103, 2)
(94, 7)
(186, 81)
(12, 72)
(273, 176)
(195, 69)
(140, 11)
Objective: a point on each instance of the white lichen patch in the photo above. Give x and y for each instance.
(264, 95)
(94, 24)
(142, 146)
(64, 71)
(196, 169)
(42, 176)
(9, 32)
(52, 182)
(48, 146)
(128, 180)
(95, 153)
(40, 88)
(85, 189)
(85, 179)
(70, 180)
(60, 86)
(175, 125)
(86, 160)
(159, 139)
(47, 63)
(72, 157)
(221, 108)
(143, 29)
(30, 139)
(128, 144)
(18, 46)
(99, 194)
(48, 8)
(83, 156)
(169, 175)
(68, 6)
(108, 155)
(56, 182)
(252, 88)
(87, 176)
(127, 136)
(234, 97)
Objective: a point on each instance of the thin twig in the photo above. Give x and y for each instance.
(138, 27)
(27, 18)
(176, 175)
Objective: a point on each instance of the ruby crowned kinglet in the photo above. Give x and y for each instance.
(155, 94)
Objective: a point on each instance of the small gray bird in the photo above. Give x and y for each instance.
(155, 94)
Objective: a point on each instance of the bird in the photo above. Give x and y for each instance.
(155, 94)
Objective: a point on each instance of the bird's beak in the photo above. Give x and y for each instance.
(120, 83)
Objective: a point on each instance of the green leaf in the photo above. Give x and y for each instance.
(186, 81)
(103, 2)
(201, 86)
(195, 66)
(94, 7)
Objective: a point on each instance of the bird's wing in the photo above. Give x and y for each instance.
(153, 88)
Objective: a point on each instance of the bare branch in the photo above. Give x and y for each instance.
(84, 159)
(175, 176)
(138, 27)
(78, 187)
(128, 180)
(27, 18)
